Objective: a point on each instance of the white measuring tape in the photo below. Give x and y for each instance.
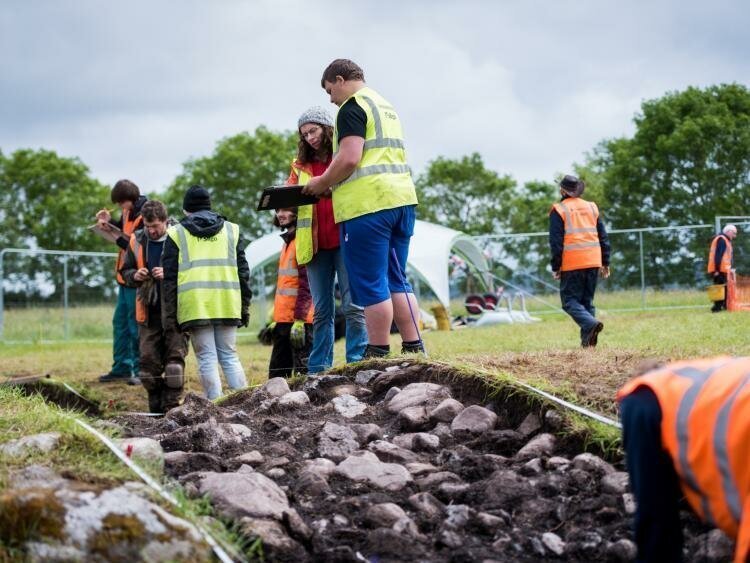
(581, 410)
(563, 403)
(151, 482)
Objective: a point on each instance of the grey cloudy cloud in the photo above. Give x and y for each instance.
(135, 90)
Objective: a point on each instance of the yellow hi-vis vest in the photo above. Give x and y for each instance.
(208, 284)
(382, 179)
(304, 238)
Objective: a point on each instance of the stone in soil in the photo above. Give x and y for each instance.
(446, 411)
(336, 442)
(366, 467)
(276, 387)
(474, 420)
(80, 522)
(244, 494)
(36, 443)
(417, 395)
(348, 406)
(418, 477)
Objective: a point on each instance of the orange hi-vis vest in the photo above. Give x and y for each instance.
(139, 251)
(128, 227)
(581, 248)
(726, 260)
(287, 286)
(705, 429)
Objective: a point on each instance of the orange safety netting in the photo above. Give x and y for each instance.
(738, 292)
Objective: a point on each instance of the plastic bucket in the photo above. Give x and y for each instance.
(716, 292)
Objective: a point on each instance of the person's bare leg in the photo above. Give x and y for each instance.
(403, 317)
(378, 319)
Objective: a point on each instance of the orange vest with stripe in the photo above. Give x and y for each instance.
(581, 248)
(141, 309)
(287, 286)
(128, 227)
(705, 429)
(726, 260)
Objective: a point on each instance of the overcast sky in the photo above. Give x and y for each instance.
(137, 88)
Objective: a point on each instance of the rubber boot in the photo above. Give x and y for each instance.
(154, 402)
(174, 381)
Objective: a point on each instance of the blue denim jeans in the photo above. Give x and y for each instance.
(125, 333)
(322, 271)
(214, 346)
(577, 288)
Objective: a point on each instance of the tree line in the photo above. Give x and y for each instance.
(688, 161)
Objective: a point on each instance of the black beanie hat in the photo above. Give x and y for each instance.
(197, 198)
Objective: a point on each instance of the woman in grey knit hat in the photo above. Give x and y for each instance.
(318, 246)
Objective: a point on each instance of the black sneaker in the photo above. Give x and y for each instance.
(135, 380)
(373, 351)
(412, 347)
(593, 335)
(110, 377)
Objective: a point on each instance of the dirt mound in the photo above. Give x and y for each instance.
(403, 462)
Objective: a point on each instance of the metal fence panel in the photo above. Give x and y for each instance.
(60, 295)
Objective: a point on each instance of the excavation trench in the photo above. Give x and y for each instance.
(405, 461)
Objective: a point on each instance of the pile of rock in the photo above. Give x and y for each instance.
(393, 465)
(387, 465)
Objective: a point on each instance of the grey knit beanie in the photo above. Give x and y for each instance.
(315, 114)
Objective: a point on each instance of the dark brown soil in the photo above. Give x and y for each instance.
(496, 506)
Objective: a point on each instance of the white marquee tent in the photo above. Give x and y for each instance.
(431, 247)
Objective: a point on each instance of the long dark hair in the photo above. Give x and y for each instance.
(306, 154)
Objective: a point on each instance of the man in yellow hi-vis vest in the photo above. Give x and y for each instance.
(206, 288)
(373, 203)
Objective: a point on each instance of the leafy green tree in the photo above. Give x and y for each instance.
(236, 173)
(47, 201)
(464, 195)
(529, 206)
(687, 162)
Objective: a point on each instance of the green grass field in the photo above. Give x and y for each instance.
(93, 322)
(544, 353)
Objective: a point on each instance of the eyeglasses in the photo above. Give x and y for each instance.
(309, 132)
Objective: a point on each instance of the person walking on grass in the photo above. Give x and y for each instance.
(128, 197)
(291, 329)
(580, 254)
(318, 247)
(162, 352)
(207, 288)
(720, 262)
(374, 202)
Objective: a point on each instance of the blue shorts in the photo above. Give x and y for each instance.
(367, 243)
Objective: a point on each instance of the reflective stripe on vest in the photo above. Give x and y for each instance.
(581, 247)
(382, 179)
(304, 239)
(208, 284)
(287, 286)
(699, 378)
(128, 228)
(705, 408)
(726, 260)
(728, 484)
